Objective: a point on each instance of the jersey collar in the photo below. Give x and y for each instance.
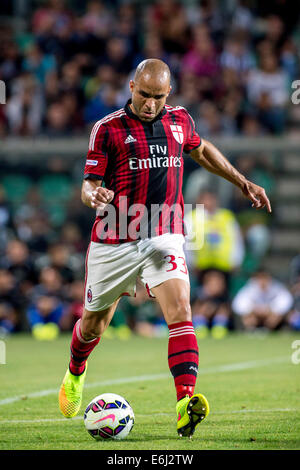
(134, 116)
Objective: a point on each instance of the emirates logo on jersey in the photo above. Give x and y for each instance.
(158, 158)
(177, 133)
(154, 162)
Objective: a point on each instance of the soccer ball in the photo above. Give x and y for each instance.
(109, 416)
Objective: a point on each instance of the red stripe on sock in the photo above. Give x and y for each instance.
(183, 358)
(80, 350)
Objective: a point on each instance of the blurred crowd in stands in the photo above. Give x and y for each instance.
(232, 68)
(232, 63)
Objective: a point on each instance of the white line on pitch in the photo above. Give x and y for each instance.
(239, 366)
(141, 415)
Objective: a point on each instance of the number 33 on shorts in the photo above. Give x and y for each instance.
(176, 262)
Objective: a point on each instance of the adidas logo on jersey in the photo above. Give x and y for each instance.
(129, 139)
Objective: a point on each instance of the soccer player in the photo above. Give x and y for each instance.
(137, 153)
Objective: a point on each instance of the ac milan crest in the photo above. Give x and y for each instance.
(177, 133)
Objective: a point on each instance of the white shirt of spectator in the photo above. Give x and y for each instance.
(276, 297)
(274, 85)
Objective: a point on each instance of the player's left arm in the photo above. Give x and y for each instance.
(208, 156)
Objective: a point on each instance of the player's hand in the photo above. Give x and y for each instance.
(100, 197)
(257, 195)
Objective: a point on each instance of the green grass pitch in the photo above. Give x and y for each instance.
(251, 383)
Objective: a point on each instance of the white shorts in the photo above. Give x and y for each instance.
(112, 270)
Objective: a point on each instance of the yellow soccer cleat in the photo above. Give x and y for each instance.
(190, 412)
(70, 393)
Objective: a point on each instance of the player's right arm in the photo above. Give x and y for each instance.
(92, 193)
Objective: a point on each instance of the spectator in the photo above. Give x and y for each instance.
(227, 82)
(231, 110)
(267, 90)
(79, 214)
(58, 122)
(212, 122)
(262, 302)
(142, 313)
(71, 236)
(211, 306)
(37, 63)
(237, 56)
(70, 103)
(10, 61)
(54, 15)
(289, 59)
(117, 55)
(68, 264)
(97, 19)
(242, 18)
(10, 304)
(208, 13)
(127, 27)
(189, 96)
(24, 109)
(59, 258)
(274, 31)
(250, 126)
(18, 262)
(255, 226)
(201, 60)
(199, 180)
(168, 20)
(71, 81)
(104, 103)
(50, 285)
(223, 246)
(8, 318)
(44, 316)
(105, 76)
(154, 48)
(35, 230)
(256, 167)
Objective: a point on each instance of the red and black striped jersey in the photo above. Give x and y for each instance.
(143, 164)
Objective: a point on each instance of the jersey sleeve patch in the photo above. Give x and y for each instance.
(97, 155)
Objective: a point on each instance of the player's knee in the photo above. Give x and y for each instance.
(179, 310)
